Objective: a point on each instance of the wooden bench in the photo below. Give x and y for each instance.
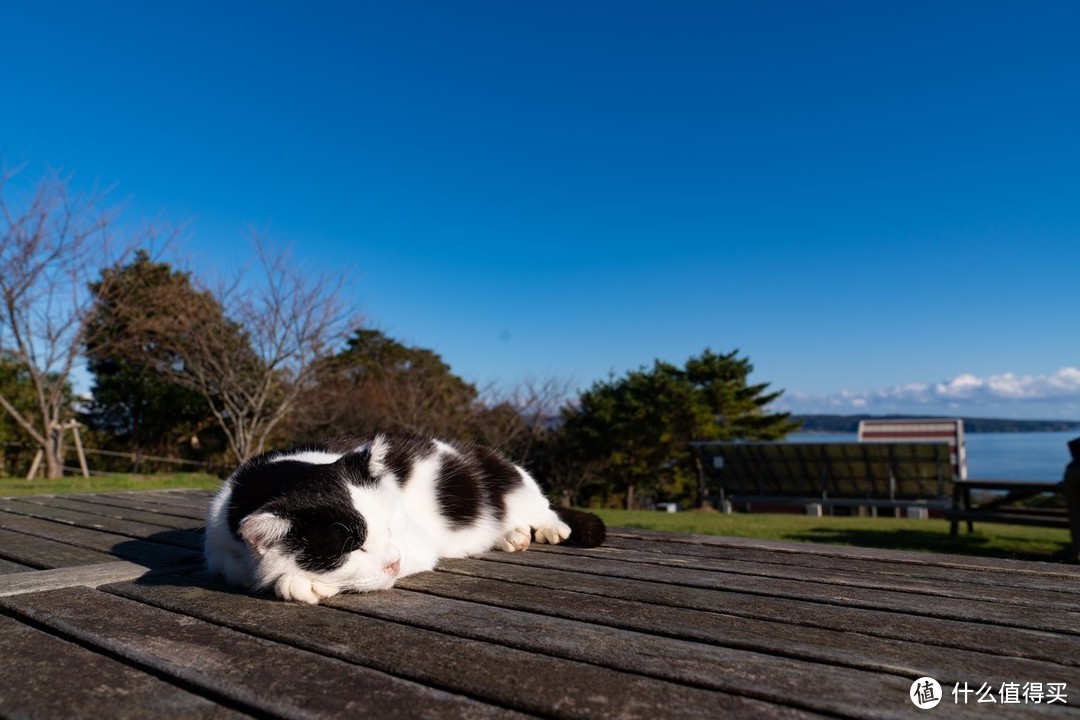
(1000, 504)
(874, 475)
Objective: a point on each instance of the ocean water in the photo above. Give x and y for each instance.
(996, 456)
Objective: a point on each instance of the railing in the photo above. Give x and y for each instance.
(136, 459)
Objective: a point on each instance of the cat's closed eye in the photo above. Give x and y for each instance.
(348, 538)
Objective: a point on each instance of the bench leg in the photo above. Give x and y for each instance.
(967, 508)
(1072, 497)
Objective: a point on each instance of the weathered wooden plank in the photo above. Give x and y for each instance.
(114, 512)
(487, 670)
(255, 674)
(1009, 577)
(39, 552)
(81, 576)
(1055, 620)
(137, 501)
(845, 551)
(131, 528)
(63, 502)
(144, 551)
(42, 676)
(778, 672)
(841, 649)
(190, 499)
(7, 566)
(969, 635)
(943, 587)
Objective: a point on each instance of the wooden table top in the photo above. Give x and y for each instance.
(104, 613)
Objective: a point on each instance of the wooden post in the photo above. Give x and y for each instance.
(73, 426)
(36, 464)
(79, 448)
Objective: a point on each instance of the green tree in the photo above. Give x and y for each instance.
(379, 384)
(251, 350)
(135, 405)
(15, 385)
(636, 430)
(729, 407)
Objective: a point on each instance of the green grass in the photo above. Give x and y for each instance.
(107, 483)
(988, 540)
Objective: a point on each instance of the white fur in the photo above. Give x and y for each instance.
(226, 556)
(406, 533)
(312, 457)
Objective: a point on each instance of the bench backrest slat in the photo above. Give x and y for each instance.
(896, 471)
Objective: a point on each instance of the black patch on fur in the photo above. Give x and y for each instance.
(403, 452)
(324, 525)
(472, 481)
(499, 476)
(458, 490)
(355, 468)
(261, 481)
(320, 538)
(586, 529)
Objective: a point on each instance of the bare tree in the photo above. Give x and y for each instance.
(250, 348)
(518, 418)
(51, 242)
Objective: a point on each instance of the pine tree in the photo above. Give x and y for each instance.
(636, 429)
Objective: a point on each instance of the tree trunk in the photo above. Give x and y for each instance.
(54, 462)
(699, 469)
(630, 496)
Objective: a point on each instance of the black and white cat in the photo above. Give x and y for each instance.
(355, 515)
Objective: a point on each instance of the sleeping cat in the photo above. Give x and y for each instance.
(354, 515)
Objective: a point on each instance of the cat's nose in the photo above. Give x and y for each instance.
(393, 568)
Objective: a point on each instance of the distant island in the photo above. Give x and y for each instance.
(850, 423)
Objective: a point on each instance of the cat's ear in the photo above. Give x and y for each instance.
(262, 530)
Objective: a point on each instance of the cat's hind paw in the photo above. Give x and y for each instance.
(516, 540)
(552, 534)
(303, 589)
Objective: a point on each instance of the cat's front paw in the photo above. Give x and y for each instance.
(303, 589)
(516, 540)
(552, 534)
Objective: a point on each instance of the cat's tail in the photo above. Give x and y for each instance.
(586, 529)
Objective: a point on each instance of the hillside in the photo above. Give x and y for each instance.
(850, 423)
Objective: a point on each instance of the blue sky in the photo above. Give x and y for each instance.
(877, 202)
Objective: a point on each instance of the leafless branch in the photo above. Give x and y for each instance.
(51, 242)
(250, 347)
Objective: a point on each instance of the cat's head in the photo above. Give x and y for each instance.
(328, 539)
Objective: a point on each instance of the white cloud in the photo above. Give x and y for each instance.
(1057, 393)
(1063, 383)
